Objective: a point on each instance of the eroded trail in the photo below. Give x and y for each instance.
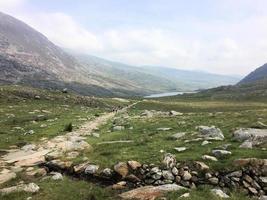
(69, 145)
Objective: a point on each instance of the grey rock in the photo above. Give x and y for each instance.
(177, 136)
(164, 129)
(56, 176)
(118, 128)
(167, 175)
(180, 149)
(211, 132)
(169, 161)
(91, 169)
(107, 172)
(207, 157)
(187, 176)
(219, 193)
(175, 171)
(221, 153)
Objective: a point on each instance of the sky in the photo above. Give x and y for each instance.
(219, 36)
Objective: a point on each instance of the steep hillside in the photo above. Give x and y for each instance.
(157, 79)
(28, 57)
(260, 74)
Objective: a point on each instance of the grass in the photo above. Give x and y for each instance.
(48, 116)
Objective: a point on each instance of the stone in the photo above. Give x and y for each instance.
(107, 172)
(175, 113)
(263, 180)
(246, 145)
(122, 169)
(221, 153)
(201, 166)
(157, 175)
(247, 178)
(185, 195)
(134, 165)
(97, 135)
(169, 161)
(175, 171)
(167, 175)
(119, 186)
(80, 168)
(118, 128)
(6, 176)
(253, 190)
(205, 143)
(263, 197)
(177, 136)
(164, 129)
(219, 193)
(257, 136)
(211, 158)
(150, 192)
(180, 149)
(56, 176)
(91, 169)
(178, 179)
(29, 188)
(214, 181)
(235, 174)
(187, 176)
(132, 178)
(37, 173)
(28, 147)
(211, 132)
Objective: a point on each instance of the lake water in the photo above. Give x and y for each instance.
(166, 94)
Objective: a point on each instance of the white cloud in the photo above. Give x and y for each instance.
(226, 47)
(6, 5)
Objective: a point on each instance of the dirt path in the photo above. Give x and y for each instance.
(66, 146)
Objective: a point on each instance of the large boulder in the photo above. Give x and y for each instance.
(210, 132)
(150, 192)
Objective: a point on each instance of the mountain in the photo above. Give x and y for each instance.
(252, 87)
(154, 78)
(28, 57)
(260, 74)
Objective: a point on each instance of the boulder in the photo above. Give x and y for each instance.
(91, 169)
(118, 128)
(6, 176)
(169, 161)
(122, 169)
(29, 188)
(210, 132)
(150, 192)
(56, 176)
(180, 149)
(177, 136)
(256, 136)
(211, 158)
(134, 165)
(201, 166)
(221, 153)
(219, 193)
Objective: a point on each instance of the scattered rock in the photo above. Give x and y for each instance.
(175, 113)
(219, 193)
(91, 169)
(205, 143)
(211, 132)
(207, 157)
(255, 136)
(30, 188)
(169, 161)
(134, 165)
(118, 128)
(122, 169)
(185, 195)
(180, 149)
(56, 176)
(221, 153)
(6, 176)
(164, 129)
(150, 192)
(177, 136)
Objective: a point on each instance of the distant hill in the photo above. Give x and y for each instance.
(28, 57)
(252, 87)
(260, 74)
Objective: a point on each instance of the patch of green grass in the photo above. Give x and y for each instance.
(66, 189)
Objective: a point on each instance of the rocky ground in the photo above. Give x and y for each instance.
(193, 150)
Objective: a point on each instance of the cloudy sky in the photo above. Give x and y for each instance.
(221, 36)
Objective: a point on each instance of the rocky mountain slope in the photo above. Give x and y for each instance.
(260, 74)
(28, 57)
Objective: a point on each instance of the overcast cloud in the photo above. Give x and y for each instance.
(221, 36)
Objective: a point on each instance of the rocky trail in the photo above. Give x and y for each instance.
(14, 161)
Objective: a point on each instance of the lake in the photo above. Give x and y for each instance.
(166, 94)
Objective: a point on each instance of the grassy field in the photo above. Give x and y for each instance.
(47, 117)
